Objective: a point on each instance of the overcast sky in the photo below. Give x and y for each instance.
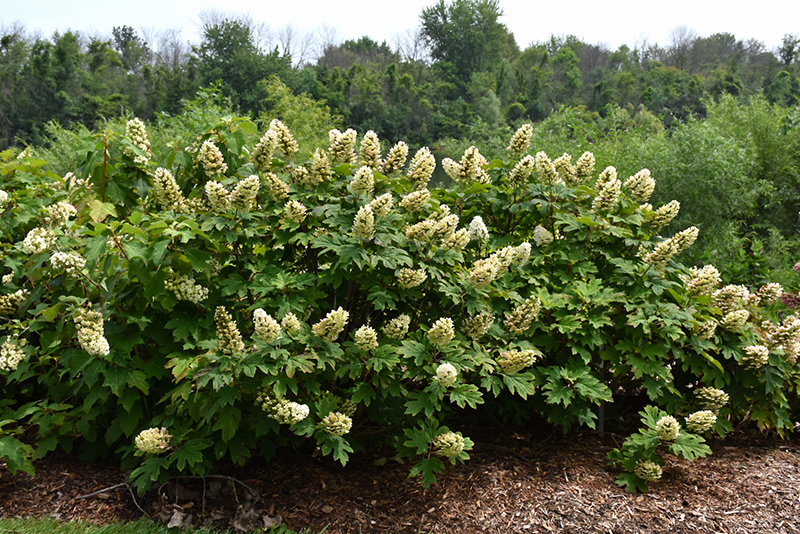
(612, 22)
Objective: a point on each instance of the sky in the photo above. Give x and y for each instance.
(611, 23)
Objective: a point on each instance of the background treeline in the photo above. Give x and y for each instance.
(461, 67)
(716, 119)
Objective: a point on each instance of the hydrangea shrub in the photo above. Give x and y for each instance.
(221, 297)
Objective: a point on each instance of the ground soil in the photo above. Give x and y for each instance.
(513, 483)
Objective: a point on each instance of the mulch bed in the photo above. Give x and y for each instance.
(513, 483)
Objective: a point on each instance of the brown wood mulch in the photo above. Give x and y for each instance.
(513, 483)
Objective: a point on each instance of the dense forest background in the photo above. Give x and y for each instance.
(715, 118)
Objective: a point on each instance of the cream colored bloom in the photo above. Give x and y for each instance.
(446, 375)
(661, 255)
(520, 319)
(448, 444)
(38, 240)
(711, 399)
(397, 328)
(89, 326)
(210, 157)
(648, 470)
(607, 197)
(59, 213)
(408, 278)
(585, 165)
(370, 151)
(641, 185)
(520, 141)
(757, 356)
(71, 262)
(153, 440)
(521, 172)
(168, 194)
(217, 196)
(442, 332)
(295, 211)
(137, 134)
(337, 424)
(382, 205)
(421, 169)
(702, 281)
(364, 223)
(609, 174)
(229, 340)
(3, 197)
(734, 320)
(363, 182)
(701, 421)
(395, 159)
(185, 288)
(244, 193)
(366, 338)
(545, 169)
(416, 200)
(11, 354)
(477, 326)
(458, 241)
(770, 293)
(565, 171)
(276, 188)
(332, 325)
(342, 145)
(514, 361)
(266, 327)
(664, 215)
(484, 272)
(285, 139)
(668, 428)
(477, 229)
(290, 323)
(541, 236)
(261, 155)
(685, 239)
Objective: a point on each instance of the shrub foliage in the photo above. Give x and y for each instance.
(215, 298)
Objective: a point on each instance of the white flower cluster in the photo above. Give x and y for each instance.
(469, 169)
(261, 155)
(153, 440)
(72, 262)
(290, 323)
(701, 281)
(734, 320)
(705, 329)
(229, 340)
(382, 205)
(8, 278)
(137, 135)
(217, 196)
(565, 170)
(545, 169)
(295, 211)
(364, 223)
(59, 213)
(421, 169)
(408, 278)
(337, 424)
(442, 332)
(783, 337)
(370, 151)
(416, 200)
(542, 236)
(757, 356)
(641, 185)
(585, 165)
(3, 197)
(648, 470)
(341, 146)
(521, 172)
(366, 338)
(448, 444)
(185, 288)
(11, 354)
(332, 325)
(168, 194)
(661, 254)
(210, 157)
(38, 240)
(397, 328)
(711, 399)
(266, 327)
(608, 196)
(477, 229)
(664, 215)
(395, 159)
(520, 319)
(286, 141)
(446, 375)
(89, 324)
(514, 361)
(701, 421)
(685, 238)
(668, 428)
(520, 141)
(244, 193)
(476, 327)
(10, 303)
(363, 182)
(608, 175)
(284, 411)
(732, 297)
(320, 170)
(770, 293)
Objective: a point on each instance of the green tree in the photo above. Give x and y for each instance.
(467, 34)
